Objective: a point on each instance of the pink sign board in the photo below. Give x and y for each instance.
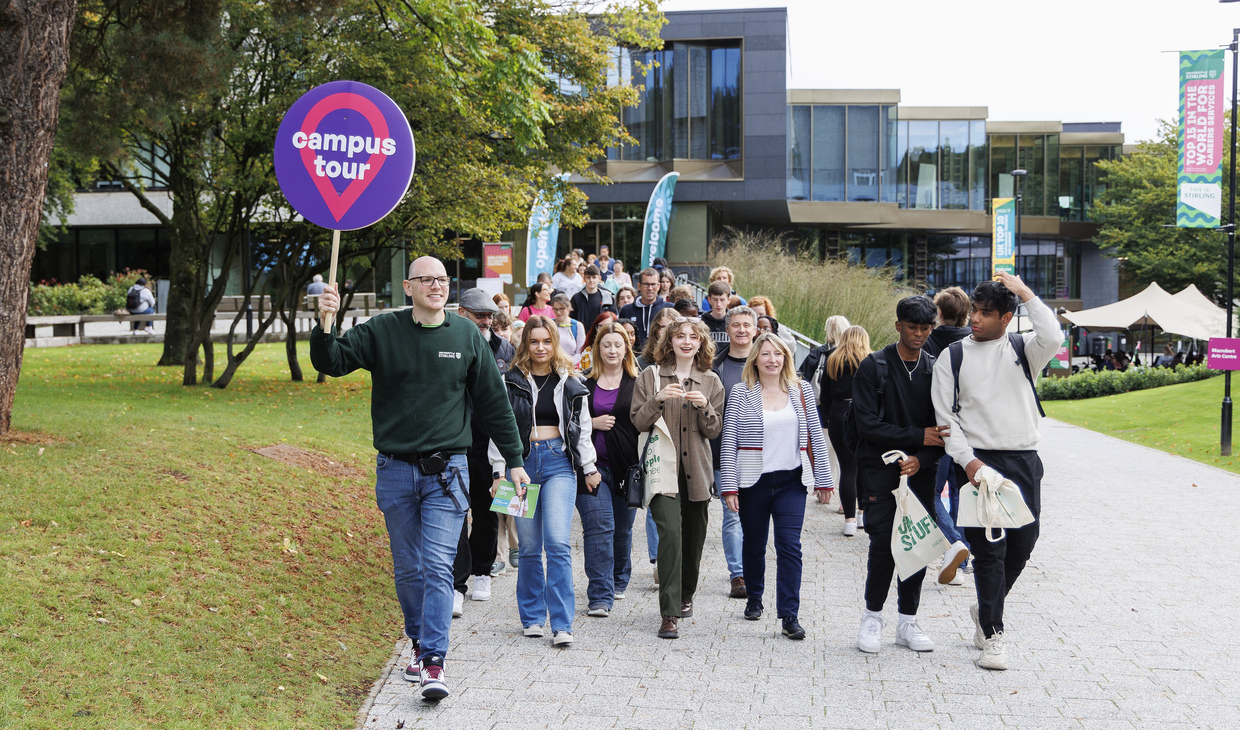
(1224, 353)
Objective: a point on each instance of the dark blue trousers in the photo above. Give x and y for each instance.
(776, 498)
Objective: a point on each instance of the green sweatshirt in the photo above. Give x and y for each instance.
(424, 379)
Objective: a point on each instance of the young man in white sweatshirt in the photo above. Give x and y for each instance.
(996, 424)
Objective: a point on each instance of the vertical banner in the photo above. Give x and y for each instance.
(1200, 199)
(658, 215)
(1062, 359)
(544, 233)
(1003, 232)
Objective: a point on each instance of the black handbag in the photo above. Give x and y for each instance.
(635, 480)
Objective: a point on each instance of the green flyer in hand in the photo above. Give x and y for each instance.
(506, 501)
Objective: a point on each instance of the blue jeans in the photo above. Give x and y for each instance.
(424, 518)
(946, 514)
(777, 497)
(550, 529)
(137, 325)
(652, 537)
(598, 529)
(622, 545)
(732, 536)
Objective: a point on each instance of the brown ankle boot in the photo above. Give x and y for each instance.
(667, 630)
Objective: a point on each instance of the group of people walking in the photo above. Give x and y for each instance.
(458, 410)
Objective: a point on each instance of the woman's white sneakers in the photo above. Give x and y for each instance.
(850, 529)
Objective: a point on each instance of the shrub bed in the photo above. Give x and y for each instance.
(88, 296)
(1092, 384)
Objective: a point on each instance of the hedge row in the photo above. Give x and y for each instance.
(1090, 384)
(87, 296)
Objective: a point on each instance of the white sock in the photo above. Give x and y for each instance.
(865, 612)
(907, 619)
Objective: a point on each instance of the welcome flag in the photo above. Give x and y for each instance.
(658, 219)
(1200, 197)
(1003, 254)
(544, 234)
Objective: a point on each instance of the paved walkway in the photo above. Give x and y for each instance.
(1125, 617)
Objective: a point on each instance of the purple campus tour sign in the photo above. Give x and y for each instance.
(344, 155)
(1224, 354)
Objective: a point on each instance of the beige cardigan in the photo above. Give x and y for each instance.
(691, 427)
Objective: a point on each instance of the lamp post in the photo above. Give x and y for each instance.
(1225, 430)
(1020, 193)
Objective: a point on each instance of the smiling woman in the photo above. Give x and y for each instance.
(681, 395)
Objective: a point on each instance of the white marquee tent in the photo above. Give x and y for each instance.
(1188, 313)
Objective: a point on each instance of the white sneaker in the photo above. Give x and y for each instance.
(994, 653)
(533, 632)
(979, 636)
(619, 596)
(850, 529)
(870, 637)
(956, 554)
(150, 330)
(562, 638)
(909, 634)
(957, 579)
(860, 519)
(458, 604)
(482, 588)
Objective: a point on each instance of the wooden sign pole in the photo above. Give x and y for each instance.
(331, 280)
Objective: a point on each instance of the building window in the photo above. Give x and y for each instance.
(1080, 180)
(942, 165)
(689, 102)
(1038, 155)
(841, 153)
(148, 168)
(1037, 264)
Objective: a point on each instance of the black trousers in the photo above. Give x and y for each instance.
(997, 565)
(475, 552)
(876, 482)
(848, 460)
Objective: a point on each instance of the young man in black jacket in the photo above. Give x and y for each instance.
(893, 410)
(592, 300)
(475, 553)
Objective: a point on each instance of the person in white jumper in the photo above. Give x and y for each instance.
(994, 421)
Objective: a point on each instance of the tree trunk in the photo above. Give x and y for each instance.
(34, 53)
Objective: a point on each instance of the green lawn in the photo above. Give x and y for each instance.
(1180, 419)
(156, 573)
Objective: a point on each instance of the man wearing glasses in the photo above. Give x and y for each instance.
(428, 367)
(641, 312)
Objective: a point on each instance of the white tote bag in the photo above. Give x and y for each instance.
(916, 539)
(994, 503)
(660, 466)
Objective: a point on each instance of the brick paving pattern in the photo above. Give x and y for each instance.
(1123, 619)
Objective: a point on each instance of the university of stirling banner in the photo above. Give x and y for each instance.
(1200, 198)
(543, 235)
(1003, 232)
(658, 219)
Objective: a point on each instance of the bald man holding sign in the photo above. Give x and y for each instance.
(427, 367)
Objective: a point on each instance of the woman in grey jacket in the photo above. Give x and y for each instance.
(772, 450)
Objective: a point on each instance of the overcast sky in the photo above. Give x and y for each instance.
(1066, 60)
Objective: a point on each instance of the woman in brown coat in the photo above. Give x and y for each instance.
(682, 389)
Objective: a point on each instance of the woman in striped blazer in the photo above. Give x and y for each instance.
(772, 450)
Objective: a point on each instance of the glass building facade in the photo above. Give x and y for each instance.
(1037, 264)
(839, 152)
(101, 252)
(1080, 180)
(942, 164)
(1038, 155)
(689, 105)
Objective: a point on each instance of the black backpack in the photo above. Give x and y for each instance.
(133, 300)
(852, 439)
(1018, 344)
